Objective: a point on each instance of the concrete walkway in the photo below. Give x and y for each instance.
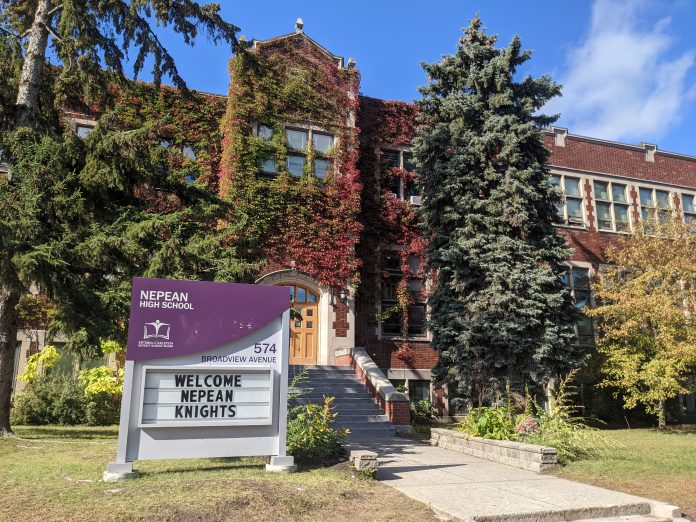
(462, 487)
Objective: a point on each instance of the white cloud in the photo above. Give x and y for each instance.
(624, 81)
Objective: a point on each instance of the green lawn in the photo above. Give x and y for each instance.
(647, 463)
(54, 473)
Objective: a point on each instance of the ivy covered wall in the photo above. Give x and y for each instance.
(288, 220)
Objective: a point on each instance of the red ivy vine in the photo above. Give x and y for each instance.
(309, 223)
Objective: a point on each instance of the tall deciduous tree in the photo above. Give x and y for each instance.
(498, 311)
(647, 314)
(79, 219)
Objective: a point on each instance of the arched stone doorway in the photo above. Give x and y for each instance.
(308, 322)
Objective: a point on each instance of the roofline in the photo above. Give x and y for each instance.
(552, 130)
(339, 59)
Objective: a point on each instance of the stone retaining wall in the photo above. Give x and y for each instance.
(525, 456)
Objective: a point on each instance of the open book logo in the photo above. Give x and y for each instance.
(157, 330)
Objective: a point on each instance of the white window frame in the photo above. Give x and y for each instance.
(670, 199)
(688, 216)
(610, 192)
(582, 197)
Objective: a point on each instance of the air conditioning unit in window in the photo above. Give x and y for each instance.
(416, 200)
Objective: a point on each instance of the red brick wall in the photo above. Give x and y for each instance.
(340, 325)
(619, 160)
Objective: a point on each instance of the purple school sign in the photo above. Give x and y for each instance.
(206, 373)
(170, 318)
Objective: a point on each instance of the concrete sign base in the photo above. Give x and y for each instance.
(282, 465)
(117, 472)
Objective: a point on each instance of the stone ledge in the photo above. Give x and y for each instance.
(526, 456)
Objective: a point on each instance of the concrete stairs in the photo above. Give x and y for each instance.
(356, 409)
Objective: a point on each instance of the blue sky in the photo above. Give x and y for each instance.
(628, 66)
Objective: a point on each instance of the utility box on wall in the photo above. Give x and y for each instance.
(205, 373)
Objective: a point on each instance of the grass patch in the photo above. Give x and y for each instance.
(54, 473)
(645, 462)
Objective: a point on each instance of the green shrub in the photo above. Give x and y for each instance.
(93, 398)
(564, 430)
(50, 400)
(561, 428)
(311, 437)
(103, 387)
(422, 413)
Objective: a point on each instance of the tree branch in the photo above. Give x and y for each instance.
(54, 10)
(53, 32)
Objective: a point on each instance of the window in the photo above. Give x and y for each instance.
(689, 208)
(188, 151)
(83, 130)
(418, 390)
(571, 210)
(265, 132)
(322, 142)
(393, 183)
(391, 315)
(297, 139)
(612, 206)
(269, 167)
(577, 280)
(295, 165)
(654, 200)
(321, 166)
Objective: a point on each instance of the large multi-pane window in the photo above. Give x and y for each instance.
(689, 207)
(577, 280)
(298, 141)
(391, 316)
(571, 209)
(396, 185)
(654, 200)
(611, 201)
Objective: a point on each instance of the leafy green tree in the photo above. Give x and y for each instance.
(647, 323)
(80, 218)
(499, 312)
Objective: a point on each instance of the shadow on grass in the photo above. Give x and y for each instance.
(197, 469)
(66, 432)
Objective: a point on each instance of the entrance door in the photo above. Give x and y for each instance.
(304, 325)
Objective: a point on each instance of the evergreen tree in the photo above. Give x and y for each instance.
(80, 218)
(498, 311)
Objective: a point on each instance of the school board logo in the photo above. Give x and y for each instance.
(156, 330)
(156, 335)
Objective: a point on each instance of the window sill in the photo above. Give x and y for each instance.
(572, 227)
(415, 339)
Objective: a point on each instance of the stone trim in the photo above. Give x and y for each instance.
(526, 456)
(394, 404)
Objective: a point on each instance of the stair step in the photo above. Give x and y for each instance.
(377, 417)
(627, 518)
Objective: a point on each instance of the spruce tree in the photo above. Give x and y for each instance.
(80, 218)
(498, 312)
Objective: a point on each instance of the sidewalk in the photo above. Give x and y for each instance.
(462, 487)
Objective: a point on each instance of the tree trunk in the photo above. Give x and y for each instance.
(661, 422)
(29, 84)
(8, 342)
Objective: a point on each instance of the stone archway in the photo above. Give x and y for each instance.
(309, 328)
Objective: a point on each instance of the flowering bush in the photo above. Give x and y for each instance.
(527, 426)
